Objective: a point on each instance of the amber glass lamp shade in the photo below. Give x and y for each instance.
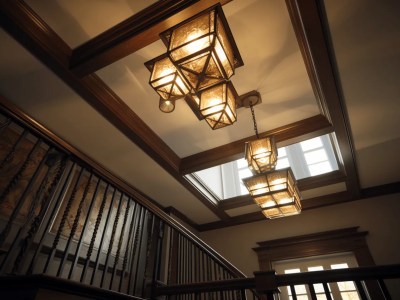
(218, 105)
(261, 155)
(275, 192)
(166, 80)
(203, 48)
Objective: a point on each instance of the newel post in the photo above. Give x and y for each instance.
(266, 284)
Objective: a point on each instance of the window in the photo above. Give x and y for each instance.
(338, 291)
(308, 158)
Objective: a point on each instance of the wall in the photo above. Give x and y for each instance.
(380, 216)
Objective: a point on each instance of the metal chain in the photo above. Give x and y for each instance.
(254, 120)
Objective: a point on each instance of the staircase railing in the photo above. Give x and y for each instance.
(63, 215)
(269, 284)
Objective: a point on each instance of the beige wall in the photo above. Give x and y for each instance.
(380, 216)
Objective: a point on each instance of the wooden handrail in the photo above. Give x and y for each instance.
(67, 287)
(351, 274)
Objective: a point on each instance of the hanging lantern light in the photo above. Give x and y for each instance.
(275, 192)
(167, 82)
(218, 105)
(261, 154)
(203, 48)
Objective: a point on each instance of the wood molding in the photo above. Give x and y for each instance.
(321, 243)
(312, 203)
(310, 127)
(311, 29)
(134, 33)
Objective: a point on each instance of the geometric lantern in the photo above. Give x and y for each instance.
(203, 48)
(275, 192)
(217, 104)
(261, 154)
(166, 81)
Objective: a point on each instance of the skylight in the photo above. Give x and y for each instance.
(308, 158)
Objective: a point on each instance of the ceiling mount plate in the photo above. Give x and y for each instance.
(249, 99)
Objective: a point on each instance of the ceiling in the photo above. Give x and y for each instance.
(320, 66)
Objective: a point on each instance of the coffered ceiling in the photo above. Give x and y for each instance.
(320, 66)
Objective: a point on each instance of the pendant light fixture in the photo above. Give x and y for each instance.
(275, 191)
(167, 82)
(201, 57)
(203, 48)
(218, 104)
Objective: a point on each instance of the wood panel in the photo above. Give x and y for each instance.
(134, 33)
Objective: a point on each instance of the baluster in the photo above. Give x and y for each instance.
(150, 232)
(99, 251)
(209, 268)
(62, 223)
(74, 226)
(312, 292)
(111, 243)
(121, 239)
(180, 260)
(20, 202)
(190, 260)
(327, 292)
(139, 248)
(157, 258)
(128, 246)
(361, 290)
(384, 289)
(293, 291)
(52, 189)
(134, 247)
(4, 125)
(196, 264)
(10, 156)
(14, 181)
(56, 165)
(94, 235)
(85, 224)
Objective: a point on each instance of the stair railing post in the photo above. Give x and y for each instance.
(266, 284)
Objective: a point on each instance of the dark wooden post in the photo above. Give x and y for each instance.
(266, 284)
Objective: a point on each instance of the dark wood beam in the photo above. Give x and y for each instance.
(134, 33)
(312, 32)
(306, 128)
(21, 22)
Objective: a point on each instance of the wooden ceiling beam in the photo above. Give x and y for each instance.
(134, 33)
(311, 28)
(310, 127)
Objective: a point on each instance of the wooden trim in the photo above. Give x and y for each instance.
(134, 33)
(307, 204)
(310, 127)
(9, 285)
(321, 243)
(311, 29)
